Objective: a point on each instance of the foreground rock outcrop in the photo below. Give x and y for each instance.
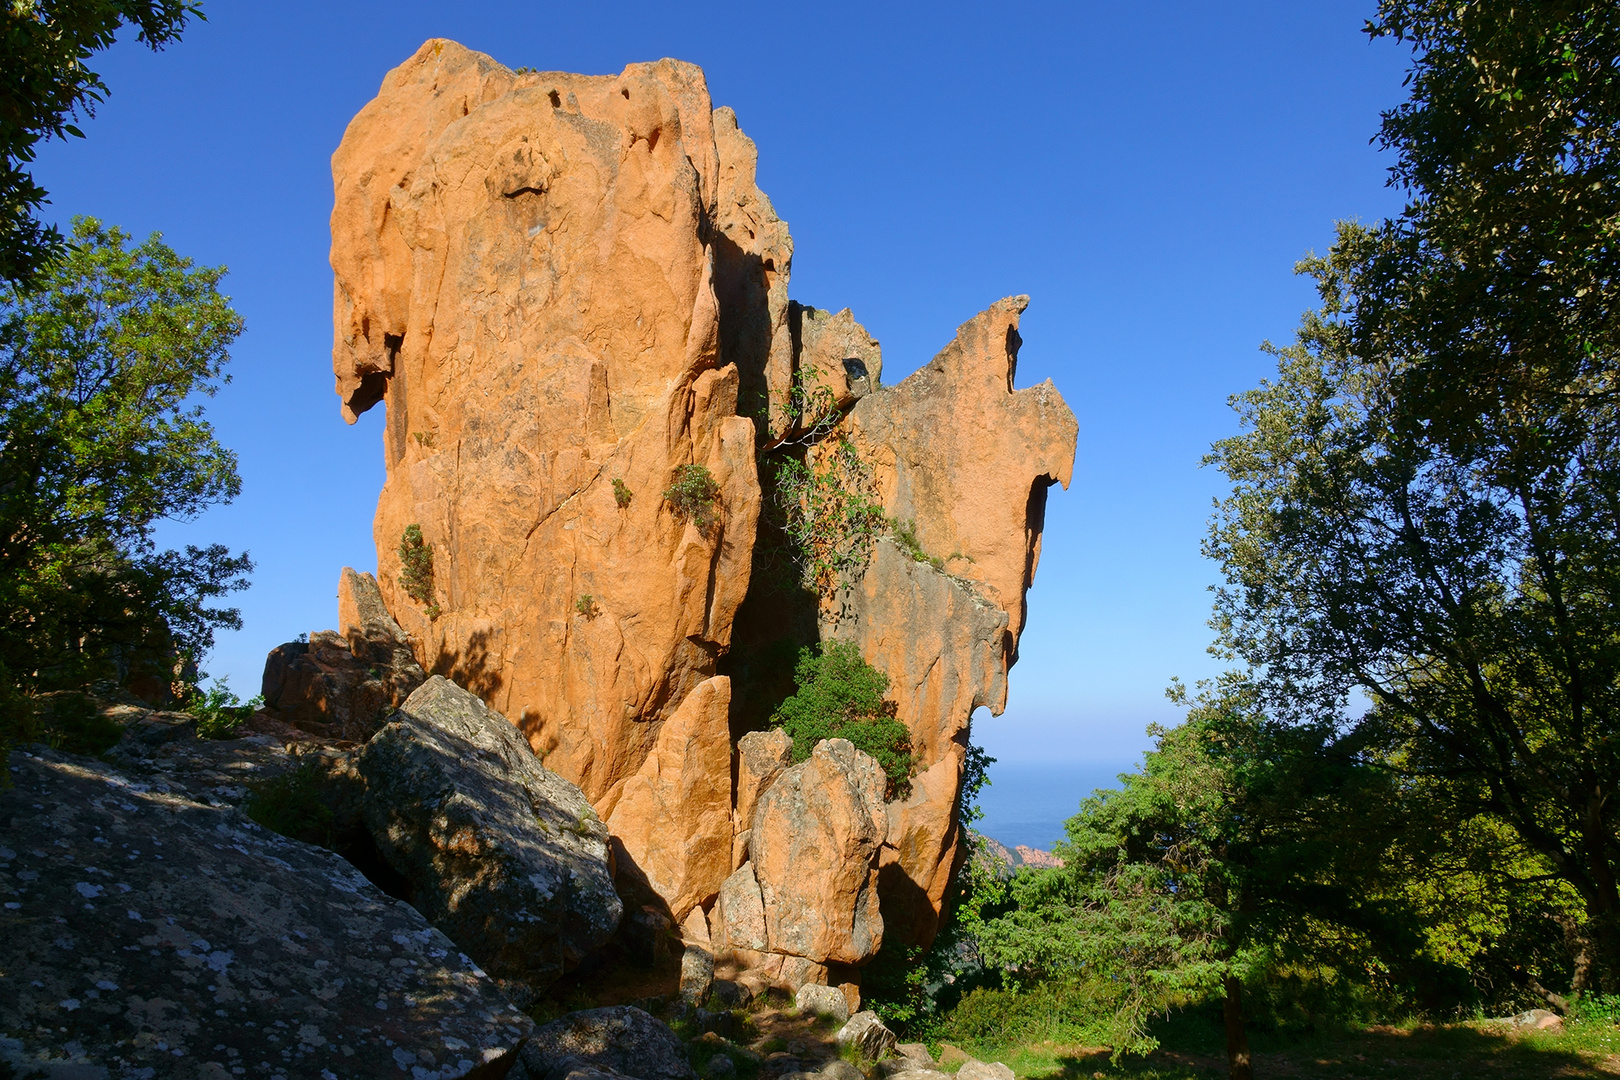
(503, 855)
(572, 297)
(147, 934)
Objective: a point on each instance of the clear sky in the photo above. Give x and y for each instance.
(1148, 172)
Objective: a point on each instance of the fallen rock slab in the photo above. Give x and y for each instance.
(148, 934)
(504, 856)
(823, 1001)
(620, 1039)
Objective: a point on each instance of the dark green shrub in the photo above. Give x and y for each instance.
(841, 696)
(621, 494)
(70, 722)
(692, 496)
(291, 804)
(416, 569)
(219, 712)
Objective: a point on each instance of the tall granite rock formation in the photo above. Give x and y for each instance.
(569, 290)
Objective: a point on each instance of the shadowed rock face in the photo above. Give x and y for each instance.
(146, 931)
(504, 856)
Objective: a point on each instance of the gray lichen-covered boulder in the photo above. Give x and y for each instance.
(504, 856)
(621, 1039)
(144, 934)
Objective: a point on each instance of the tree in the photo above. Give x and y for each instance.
(1174, 885)
(1426, 500)
(99, 373)
(841, 696)
(43, 84)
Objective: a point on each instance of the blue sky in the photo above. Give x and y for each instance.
(1147, 172)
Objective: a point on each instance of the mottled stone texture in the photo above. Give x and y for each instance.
(620, 1038)
(146, 931)
(504, 856)
(966, 461)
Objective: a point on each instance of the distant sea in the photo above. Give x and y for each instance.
(1027, 803)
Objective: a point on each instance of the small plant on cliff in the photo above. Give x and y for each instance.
(827, 508)
(416, 569)
(905, 534)
(841, 696)
(586, 606)
(219, 712)
(693, 496)
(621, 494)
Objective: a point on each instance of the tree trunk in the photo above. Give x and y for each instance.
(1237, 1037)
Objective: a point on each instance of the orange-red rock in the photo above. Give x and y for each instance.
(524, 276)
(814, 851)
(671, 821)
(964, 461)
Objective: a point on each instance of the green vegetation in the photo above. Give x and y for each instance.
(827, 511)
(292, 805)
(416, 569)
(621, 494)
(692, 496)
(101, 369)
(43, 50)
(841, 696)
(586, 606)
(905, 534)
(219, 712)
(1397, 805)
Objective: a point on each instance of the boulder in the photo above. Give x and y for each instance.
(343, 684)
(915, 1052)
(964, 462)
(815, 842)
(740, 913)
(762, 756)
(822, 1001)
(867, 1034)
(671, 821)
(953, 1055)
(621, 1039)
(144, 933)
(525, 274)
(984, 1070)
(503, 855)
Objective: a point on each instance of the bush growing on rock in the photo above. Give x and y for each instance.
(692, 496)
(416, 575)
(841, 696)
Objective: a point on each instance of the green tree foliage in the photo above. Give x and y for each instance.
(100, 371)
(1426, 499)
(692, 496)
(416, 569)
(44, 84)
(841, 696)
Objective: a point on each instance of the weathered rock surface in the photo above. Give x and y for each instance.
(343, 684)
(621, 1038)
(671, 821)
(867, 1034)
(524, 273)
(503, 855)
(965, 461)
(985, 1070)
(814, 851)
(147, 931)
(823, 1001)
